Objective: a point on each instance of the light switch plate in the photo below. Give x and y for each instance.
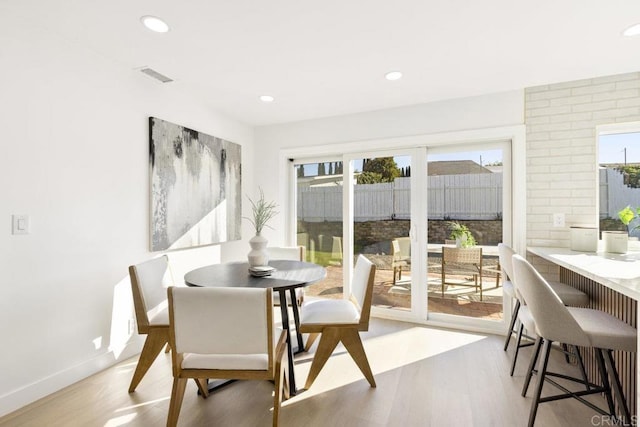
(20, 224)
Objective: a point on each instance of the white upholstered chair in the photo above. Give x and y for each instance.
(295, 253)
(341, 320)
(149, 283)
(505, 253)
(554, 322)
(286, 252)
(520, 313)
(223, 333)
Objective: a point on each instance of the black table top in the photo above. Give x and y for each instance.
(288, 275)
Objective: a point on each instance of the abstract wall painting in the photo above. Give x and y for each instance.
(195, 187)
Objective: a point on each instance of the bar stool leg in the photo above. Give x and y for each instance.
(617, 387)
(583, 371)
(515, 354)
(542, 371)
(514, 317)
(565, 350)
(605, 380)
(532, 365)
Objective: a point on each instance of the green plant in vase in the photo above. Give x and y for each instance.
(627, 215)
(617, 241)
(262, 212)
(461, 234)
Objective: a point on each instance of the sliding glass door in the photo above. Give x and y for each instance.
(319, 221)
(399, 208)
(381, 224)
(465, 192)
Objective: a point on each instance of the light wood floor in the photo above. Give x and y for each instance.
(425, 377)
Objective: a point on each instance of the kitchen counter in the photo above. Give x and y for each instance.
(620, 272)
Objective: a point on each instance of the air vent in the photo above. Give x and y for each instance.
(156, 75)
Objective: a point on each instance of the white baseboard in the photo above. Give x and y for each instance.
(30, 393)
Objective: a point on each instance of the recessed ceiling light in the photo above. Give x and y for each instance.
(393, 75)
(154, 24)
(267, 98)
(633, 30)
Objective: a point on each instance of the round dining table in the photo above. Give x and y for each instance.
(286, 276)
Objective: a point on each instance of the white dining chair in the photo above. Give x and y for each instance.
(293, 253)
(341, 320)
(149, 283)
(223, 333)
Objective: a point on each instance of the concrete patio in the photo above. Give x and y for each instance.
(457, 300)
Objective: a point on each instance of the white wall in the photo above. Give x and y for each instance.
(481, 112)
(562, 151)
(75, 158)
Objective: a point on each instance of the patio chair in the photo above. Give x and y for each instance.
(494, 269)
(400, 256)
(336, 251)
(462, 261)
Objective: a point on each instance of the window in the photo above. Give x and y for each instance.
(618, 179)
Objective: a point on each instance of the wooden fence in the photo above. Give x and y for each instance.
(469, 196)
(614, 194)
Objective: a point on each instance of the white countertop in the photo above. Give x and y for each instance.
(620, 272)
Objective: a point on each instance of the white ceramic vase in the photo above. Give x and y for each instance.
(615, 242)
(258, 254)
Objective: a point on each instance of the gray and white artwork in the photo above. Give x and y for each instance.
(195, 187)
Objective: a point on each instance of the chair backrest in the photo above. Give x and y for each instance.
(149, 283)
(295, 253)
(462, 255)
(221, 321)
(553, 321)
(505, 253)
(362, 289)
(401, 248)
(336, 248)
(395, 249)
(405, 246)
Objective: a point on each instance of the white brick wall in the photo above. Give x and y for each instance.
(561, 122)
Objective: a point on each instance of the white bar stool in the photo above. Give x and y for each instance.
(568, 295)
(573, 326)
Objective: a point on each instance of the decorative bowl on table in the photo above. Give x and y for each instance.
(261, 270)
